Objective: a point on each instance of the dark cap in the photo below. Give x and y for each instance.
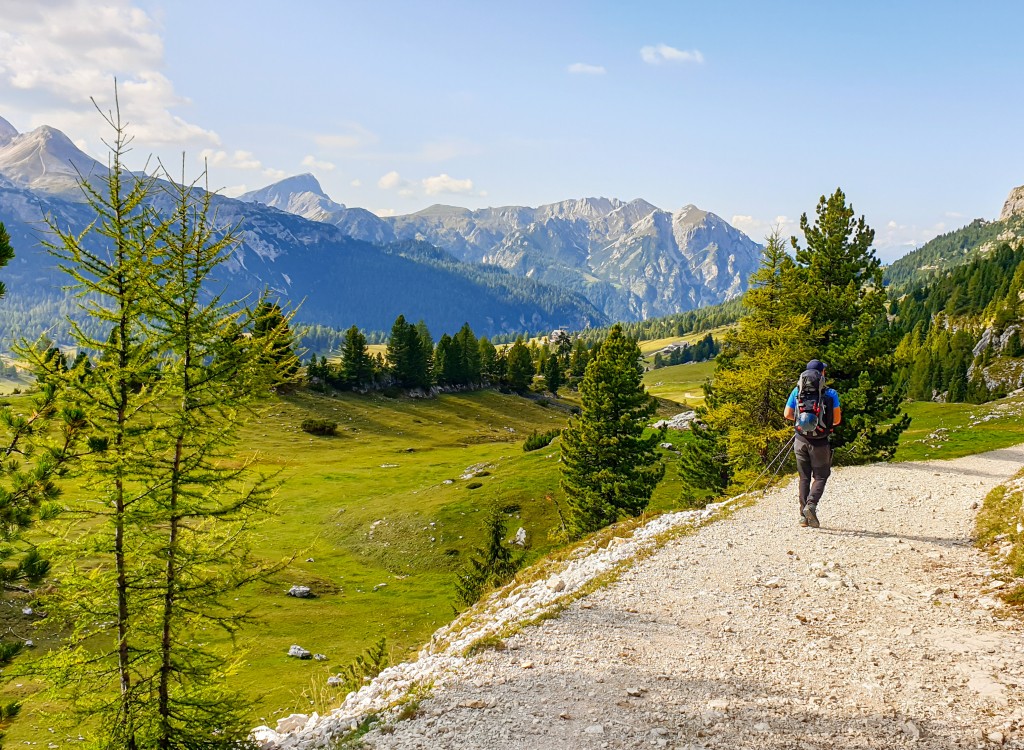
(816, 364)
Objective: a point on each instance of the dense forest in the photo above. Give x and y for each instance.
(961, 332)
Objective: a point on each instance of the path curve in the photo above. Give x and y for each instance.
(874, 631)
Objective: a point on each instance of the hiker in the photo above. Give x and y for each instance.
(815, 411)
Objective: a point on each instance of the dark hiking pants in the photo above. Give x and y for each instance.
(813, 461)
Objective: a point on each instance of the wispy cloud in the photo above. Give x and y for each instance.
(236, 159)
(586, 69)
(313, 163)
(54, 56)
(390, 181)
(659, 54)
(350, 136)
(444, 183)
(759, 229)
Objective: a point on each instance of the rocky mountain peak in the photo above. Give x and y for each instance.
(690, 214)
(300, 194)
(45, 159)
(1014, 205)
(7, 132)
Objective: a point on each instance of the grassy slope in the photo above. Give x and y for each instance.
(335, 490)
(954, 430)
(371, 507)
(680, 383)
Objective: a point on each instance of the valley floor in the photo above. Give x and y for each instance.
(875, 631)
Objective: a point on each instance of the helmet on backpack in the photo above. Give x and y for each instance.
(806, 422)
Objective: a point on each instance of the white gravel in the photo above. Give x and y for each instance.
(875, 631)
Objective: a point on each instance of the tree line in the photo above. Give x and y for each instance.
(413, 360)
(940, 354)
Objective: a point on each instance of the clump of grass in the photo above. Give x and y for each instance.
(491, 642)
(997, 530)
(316, 426)
(536, 440)
(474, 485)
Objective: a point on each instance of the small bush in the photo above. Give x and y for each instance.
(474, 485)
(536, 441)
(319, 427)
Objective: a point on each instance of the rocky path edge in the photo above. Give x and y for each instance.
(873, 631)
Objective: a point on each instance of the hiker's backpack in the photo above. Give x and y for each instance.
(813, 407)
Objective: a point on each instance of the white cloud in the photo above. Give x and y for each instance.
(385, 212)
(586, 69)
(759, 229)
(55, 55)
(236, 160)
(406, 192)
(444, 183)
(275, 174)
(351, 136)
(662, 53)
(390, 181)
(313, 163)
(356, 183)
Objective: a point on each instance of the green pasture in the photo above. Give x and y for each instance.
(954, 430)
(680, 383)
(649, 347)
(377, 521)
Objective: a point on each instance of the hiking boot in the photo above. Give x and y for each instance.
(803, 521)
(810, 513)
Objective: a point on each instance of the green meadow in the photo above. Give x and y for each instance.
(680, 383)
(377, 521)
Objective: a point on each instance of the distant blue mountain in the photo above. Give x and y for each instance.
(339, 281)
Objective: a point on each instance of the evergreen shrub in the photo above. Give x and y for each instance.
(324, 427)
(536, 440)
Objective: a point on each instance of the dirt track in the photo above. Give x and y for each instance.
(874, 631)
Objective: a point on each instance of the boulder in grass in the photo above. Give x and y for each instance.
(299, 652)
(300, 592)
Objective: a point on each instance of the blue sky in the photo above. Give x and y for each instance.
(750, 110)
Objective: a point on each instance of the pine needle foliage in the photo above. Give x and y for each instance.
(162, 534)
(840, 289)
(491, 566)
(610, 467)
(741, 427)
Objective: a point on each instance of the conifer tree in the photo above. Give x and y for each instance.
(406, 356)
(356, 363)
(469, 355)
(270, 326)
(552, 375)
(6, 254)
(519, 369)
(490, 369)
(491, 566)
(36, 446)
(741, 425)
(165, 518)
(609, 466)
(446, 364)
(840, 289)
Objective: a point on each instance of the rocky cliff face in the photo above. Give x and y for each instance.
(631, 260)
(1014, 205)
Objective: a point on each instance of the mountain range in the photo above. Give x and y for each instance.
(576, 263)
(632, 260)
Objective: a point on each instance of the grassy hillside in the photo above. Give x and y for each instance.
(388, 501)
(680, 383)
(954, 430)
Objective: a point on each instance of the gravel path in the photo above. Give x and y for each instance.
(875, 631)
